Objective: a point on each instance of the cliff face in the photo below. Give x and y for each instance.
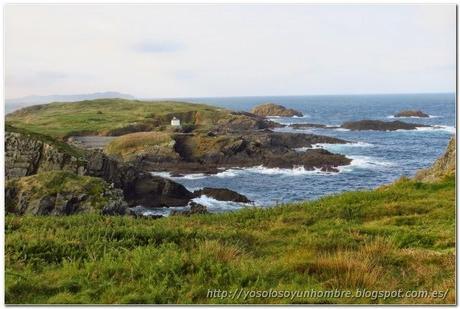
(31, 154)
(443, 166)
(62, 193)
(27, 155)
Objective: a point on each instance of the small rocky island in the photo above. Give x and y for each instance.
(412, 113)
(271, 109)
(378, 125)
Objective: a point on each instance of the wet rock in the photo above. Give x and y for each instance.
(378, 125)
(195, 208)
(311, 125)
(222, 194)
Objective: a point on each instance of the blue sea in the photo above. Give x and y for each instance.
(378, 157)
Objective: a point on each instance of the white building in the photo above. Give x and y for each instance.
(175, 122)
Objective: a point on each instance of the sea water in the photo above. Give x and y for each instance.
(378, 157)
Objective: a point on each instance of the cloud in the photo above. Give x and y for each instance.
(159, 47)
(229, 50)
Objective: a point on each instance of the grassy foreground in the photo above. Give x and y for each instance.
(400, 236)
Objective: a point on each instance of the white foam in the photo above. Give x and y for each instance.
(186, 176)
(304, 116)
(342, 129)
(161, 174)
(335, 147)
(228, 173)
(214, 205)
(448, 129)
(365, 162)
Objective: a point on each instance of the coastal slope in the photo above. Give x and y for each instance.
(397, 237)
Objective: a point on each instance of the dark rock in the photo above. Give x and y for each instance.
(27, 155)
(242, 121)
(222, 194)
(209, 155)
(195, 208)
(412, 113)
(378, 125)
(311, 125)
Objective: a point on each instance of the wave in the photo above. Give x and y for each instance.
(335, 147)
(414, 117)
(186, 176)
(448, 129)
(304, 116)
(214, 205)
(366, 163)
(160, 211)
(435, 128)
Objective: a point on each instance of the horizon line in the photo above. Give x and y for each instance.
(238, 96)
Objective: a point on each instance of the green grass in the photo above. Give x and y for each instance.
(108, 116)
(54, 182)
(130, 145)
(400, 236)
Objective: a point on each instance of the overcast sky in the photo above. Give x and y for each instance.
(229, 50)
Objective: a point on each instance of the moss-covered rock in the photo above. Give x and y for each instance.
(442, 167)
(159, 145)
(270, 109)
(62, 193)
(412, 113)
(28, 153)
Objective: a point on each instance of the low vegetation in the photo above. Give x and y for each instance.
(61, 146)
(401, 236)
(32, 190)
(109, 116)
(130, 145)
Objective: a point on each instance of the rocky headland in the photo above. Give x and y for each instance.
(204, 153)
(118, 157)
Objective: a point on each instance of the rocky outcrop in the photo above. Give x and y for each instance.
(242, 121)
(311, 125)
(138, 187)
(62, 193)
(378, 125)
(270, 109)
(28, 154)
(412, 113)
(195, 208)
(222, 194)
(443, 166)
(203, 153)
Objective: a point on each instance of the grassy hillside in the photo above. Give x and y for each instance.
(400, 236)
(108, 116)
(130, 145)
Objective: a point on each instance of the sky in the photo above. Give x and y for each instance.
(158, 51)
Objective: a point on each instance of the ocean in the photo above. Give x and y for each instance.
(378, 157)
